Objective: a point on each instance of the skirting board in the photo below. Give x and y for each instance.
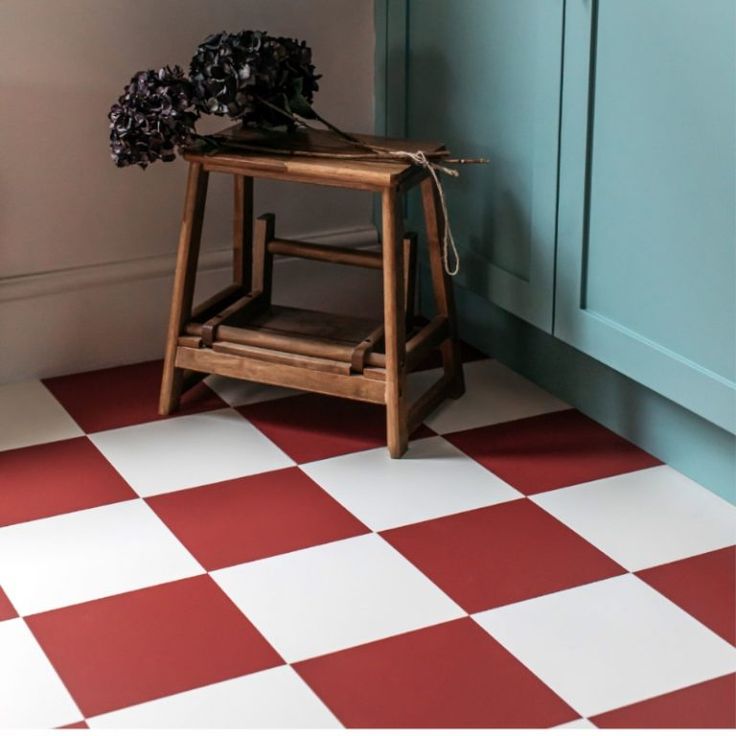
(113, 314)
(687, 442)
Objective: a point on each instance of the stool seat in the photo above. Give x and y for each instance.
(348, 173)
(240, 333)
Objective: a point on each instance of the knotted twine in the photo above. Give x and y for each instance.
(419, 158)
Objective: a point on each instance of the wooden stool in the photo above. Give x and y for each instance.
(240, 333)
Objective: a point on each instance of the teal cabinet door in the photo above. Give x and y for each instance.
(484, 76)
(646, 268)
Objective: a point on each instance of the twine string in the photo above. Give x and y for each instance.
(449, 249)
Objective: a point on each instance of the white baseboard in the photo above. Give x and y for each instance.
(78, 319)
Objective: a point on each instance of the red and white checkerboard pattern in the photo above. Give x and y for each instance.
(257, 560)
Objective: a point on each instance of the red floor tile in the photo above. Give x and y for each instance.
(6, 607)
(453, 675)
(705, 586)
(56, 478)
(551, 451)
(119, 397)
(710, 704)
(501, 554)
(249, 518)
(130, 648)
(311, 427)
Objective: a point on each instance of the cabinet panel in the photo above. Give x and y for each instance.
(484, 75)
(646, 277)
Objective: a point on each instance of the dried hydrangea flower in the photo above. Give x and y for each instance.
(222, 70)
(153, 118)
(248, 75)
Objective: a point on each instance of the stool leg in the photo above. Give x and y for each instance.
(394, 321)
(243, 231)
(262, 258)
(410, 276)
(442, 288)
(190, 237)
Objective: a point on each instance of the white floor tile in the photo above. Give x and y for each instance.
(274, 698)
(30, 415)
(608, 644)
(433, 479)
(61, 560)
(580, 723)
(31, 693)
(335, 596)
(645, 518)
(189, 451)
(240, 393)
(493, 394)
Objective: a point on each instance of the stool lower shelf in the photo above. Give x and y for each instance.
(298, 348)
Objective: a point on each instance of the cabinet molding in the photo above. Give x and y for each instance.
(601, 312)
(484, 76)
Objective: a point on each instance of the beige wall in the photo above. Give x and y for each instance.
(67, 214)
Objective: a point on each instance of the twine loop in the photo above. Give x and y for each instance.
(449, 249)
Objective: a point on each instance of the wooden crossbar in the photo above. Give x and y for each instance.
(206, 360)
(326, 253)
(216, 303)
(282, 358)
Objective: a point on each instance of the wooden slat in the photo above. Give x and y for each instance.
(375, 374)
(326, 253)
(189, 341)
(239, 310)
(311, 323)
(281, 358)
(260, 169)
(353, 387)
(312, 347)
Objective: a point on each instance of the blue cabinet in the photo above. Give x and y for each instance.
(607, 216)
(484, 75)
(646, 256)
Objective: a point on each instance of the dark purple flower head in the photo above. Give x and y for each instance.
(246, 75)
(153, 118)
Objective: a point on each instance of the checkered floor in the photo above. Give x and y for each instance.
(257, 560)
